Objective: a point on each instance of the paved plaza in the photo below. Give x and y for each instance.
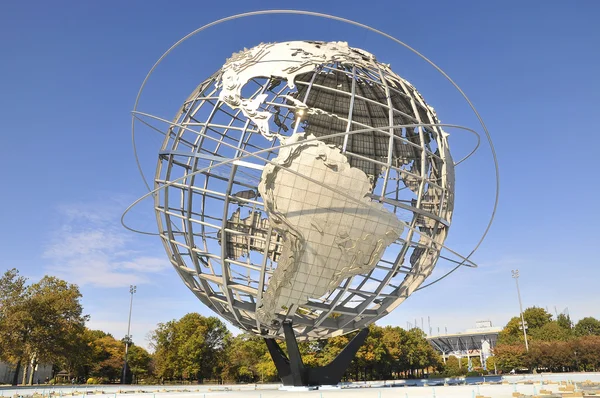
(559, 385)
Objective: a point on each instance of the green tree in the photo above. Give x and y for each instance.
(418, 354)
(166, 361)
(491, 364)
(266, 369)
(39, 322)
(387, 353)
(334, 346)
(551, 331)
(371, 354)
(57, 319)
(510, 356)
(512, 333)
(564, 321)
(13, 319)
(191, 348)
(247, 360)
(78, 360)
(588, 326)
(453, 367)
(107, 357)
(139, 361)
(536, 317)
(99, 355)
(475, 362)
(393, 339)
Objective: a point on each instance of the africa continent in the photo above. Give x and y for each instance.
(331, 229)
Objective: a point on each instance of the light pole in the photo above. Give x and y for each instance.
(132, 289)
(515, 275)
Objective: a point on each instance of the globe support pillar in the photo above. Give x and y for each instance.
(292, 371)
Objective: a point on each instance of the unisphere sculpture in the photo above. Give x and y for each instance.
(304, 190)
(315, 185)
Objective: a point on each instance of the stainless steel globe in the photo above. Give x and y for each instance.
(304, 181)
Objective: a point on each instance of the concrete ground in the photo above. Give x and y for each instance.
(528, 385)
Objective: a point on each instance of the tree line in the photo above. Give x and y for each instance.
(556, 345)
(196, 348)
(44, 323)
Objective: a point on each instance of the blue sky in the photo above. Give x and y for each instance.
(70, 71)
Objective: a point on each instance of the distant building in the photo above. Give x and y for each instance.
(477, 342)
(7, 373)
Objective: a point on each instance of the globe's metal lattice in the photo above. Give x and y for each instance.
(212, 218)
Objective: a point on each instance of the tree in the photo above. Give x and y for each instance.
(551, 331)
(394, 341)
(78, 361)
(512, 333)
(587, 327)
(13, 317)
(453, 367)
(39, 322)
(491, 364)
(57, 318)
(96, 354)
(139, 361)
(475, 362)
(419, 354)
(107, 357)
(371, 353)
(248, 360)
(510, 356)
(555, 356)
(564, 321)
(191, 348)
(587, 353)
(266, 369)
(165, 351)
(333, 346)
(386, 354)
(554, 345)
(536, 317)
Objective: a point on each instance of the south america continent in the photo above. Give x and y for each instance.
(331, 228)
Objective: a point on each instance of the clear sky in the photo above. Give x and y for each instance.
(70, 71)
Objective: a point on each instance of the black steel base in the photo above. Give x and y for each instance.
(292, 370)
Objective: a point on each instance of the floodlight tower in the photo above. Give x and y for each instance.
(515, 275)
(132, 290)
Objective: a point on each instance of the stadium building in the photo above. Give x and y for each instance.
(477, 342)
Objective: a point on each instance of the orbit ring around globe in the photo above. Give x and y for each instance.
(321, 194)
